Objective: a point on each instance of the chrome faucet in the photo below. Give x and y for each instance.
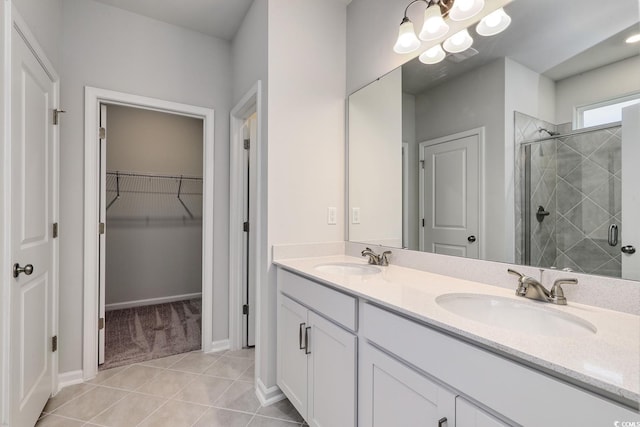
(376, 259)
(529, 287)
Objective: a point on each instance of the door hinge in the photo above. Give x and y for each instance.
(101, 228)
(245, 226)
(54, 343)
(101, 323)
(422, 164)
(245, 309)
(423, 222)
(102, 133)
(56, 115)
(55, 230)
(247, 144)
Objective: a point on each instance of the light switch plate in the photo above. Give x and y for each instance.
(331, 216)
(355, 215)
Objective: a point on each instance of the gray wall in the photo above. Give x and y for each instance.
(44, 19)
(109, 48)
(153, 248)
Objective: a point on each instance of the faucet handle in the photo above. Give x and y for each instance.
(516, 273)
(557, 294)
(384, 258)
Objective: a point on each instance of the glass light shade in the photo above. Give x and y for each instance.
(494, 23)
(407, 39)
(458, 42)
(633, 39)
(434, 26)
(465, 9)
(432, 56)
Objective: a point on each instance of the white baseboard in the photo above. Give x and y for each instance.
(218, 346)
(151, 301)
(66, 379)
(268, 396)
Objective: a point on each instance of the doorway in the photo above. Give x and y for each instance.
(94, 100)
(150, 234)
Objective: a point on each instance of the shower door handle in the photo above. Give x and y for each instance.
(629, 249)
(613, 235)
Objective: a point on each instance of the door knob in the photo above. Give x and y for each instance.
(471, 239)
(27, 269)
(629, 249)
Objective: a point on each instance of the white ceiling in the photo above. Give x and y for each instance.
(217, 18)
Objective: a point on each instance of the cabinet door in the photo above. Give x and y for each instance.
(469, 415)
(292, 360)
(332, 374)
(392, 394)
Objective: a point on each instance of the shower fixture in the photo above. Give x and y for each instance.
(540, 130)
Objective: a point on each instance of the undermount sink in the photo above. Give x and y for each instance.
(519, 316)
(348, 268)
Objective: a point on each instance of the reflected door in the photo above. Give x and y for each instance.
(630, 195)
(450, 193)
(32, 248)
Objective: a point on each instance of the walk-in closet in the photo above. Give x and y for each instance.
(151, 257)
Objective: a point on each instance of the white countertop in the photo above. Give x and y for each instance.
(607, 361)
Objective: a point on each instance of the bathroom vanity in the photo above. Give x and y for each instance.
(393, 346)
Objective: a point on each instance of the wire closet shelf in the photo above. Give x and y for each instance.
(131, 195)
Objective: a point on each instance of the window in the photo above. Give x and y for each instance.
(604, 112)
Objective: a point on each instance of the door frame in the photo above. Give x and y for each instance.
(93, 98)
(250, 103)
(480, 132)
(11, 19)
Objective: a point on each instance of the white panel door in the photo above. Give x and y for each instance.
(451, 196)
(102, 281)
(392, 394)
(32, 204)
(469, 415)
(630, 195)
(292, 357)
(332, 374)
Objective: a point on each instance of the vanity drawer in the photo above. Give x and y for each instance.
(339, 307)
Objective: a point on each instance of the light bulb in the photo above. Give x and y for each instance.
(434, 26)
(458, 42)
(493, 23)
(633, 39)
(433, 55)
(407, 40)
(465, 9)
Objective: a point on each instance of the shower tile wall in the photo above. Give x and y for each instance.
(543, 191)
(589, 201)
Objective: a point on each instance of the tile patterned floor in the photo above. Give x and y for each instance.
(190, 390)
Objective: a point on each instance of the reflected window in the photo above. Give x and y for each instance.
(605, 112)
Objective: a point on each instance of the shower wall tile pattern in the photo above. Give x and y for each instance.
(577, 179)
(589, 202)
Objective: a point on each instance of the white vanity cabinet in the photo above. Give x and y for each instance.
(316, 357)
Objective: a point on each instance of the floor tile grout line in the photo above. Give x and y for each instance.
(65, 417)
(106, 409)
(76, 397)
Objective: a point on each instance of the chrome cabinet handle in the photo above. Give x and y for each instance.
(306, 340)
(27, 269)
(629, 249)
(442, 421)
(302, 347)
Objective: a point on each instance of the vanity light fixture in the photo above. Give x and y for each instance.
(633, 39)
(432, 56)
(465, 9)
(435, 27)
(458, 42)
(494, 23)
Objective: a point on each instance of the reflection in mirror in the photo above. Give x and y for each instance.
(521, 149)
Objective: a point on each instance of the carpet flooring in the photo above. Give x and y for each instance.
(134, 335)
